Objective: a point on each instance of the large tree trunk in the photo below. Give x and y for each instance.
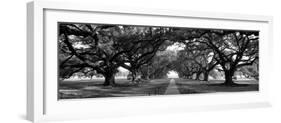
(206, 76)
(134, 76)
(198, 76)
(152, 76)
(147, 74)
(228, 77)
(109, 79)
(147, 77)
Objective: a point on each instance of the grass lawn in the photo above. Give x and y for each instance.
(194, 86)
(123, 88)
(95, 89)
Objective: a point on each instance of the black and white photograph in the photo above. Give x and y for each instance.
(114, 60)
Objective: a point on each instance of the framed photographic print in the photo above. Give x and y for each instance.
(101, 61)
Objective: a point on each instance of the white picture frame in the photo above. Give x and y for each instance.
(43, 105)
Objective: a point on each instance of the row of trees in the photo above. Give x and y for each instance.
(94, 49)
(159, 66)
(228, 50)
(102, 49)
(195, 59)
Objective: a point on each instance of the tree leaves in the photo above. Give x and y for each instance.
(102, 48)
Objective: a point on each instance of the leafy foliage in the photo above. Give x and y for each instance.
(96, 49)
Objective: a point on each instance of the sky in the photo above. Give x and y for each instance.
(175, 47)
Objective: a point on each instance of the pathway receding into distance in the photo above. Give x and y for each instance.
(172, 88)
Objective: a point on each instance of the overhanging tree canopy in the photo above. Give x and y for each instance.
(232, 49)
(103, 48)
(95, 49)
